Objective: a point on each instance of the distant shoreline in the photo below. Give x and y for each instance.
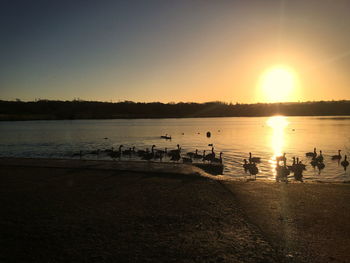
(4, 118)
(83, 110)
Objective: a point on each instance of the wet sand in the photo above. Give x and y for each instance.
(82, 211)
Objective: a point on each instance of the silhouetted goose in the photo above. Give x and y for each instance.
(175, 157)
(314, 162)
(210, 156)
(281, 158)
(149, 155)
(291, 167)
(312, 154)
(175, 152)
(245, 165)
(320, 157)
(198, 156)
(128, 151)
(95, 152)
(254, 159)
(191, 154)
(78, 154)
(253, 169)
(300, 164)
(115, 154)
(217, 160)
(337, 157)
(320, 166)
(282, 172)
(186, 160)
(345, 163)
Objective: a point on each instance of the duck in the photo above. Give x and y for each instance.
(345, 163)
(337, 157)
(254, 159)
(311, 154)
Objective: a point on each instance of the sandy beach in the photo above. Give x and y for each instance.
(83, 211)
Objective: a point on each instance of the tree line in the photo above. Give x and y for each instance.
(77, 109)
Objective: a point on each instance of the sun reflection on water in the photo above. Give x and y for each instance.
(278, 141)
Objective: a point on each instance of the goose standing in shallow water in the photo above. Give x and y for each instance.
(209, 157)
(345, 163)
(217, 160)
(254, 159)
(320, 157)
(311, 154)
(337, 157)
(253, 169)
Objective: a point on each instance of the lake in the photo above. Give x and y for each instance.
(266, 137)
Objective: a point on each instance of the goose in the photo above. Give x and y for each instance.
(254, 159)
(210, 156)
(177, 151)
(175, 157)
(311, 154)
(345, 163)
(321, 166)
(292, 167)
(161, 151)
(149, 155)
(253, 169)
(217, 160)
(281, 158)
(128, 151)
(199, 156)
(186, 160)
(320, 157)
(337, 157)
(314, 162)
(115, 154)
(80, 154)
(109, 150)
(191, 154)
(97, 152)
(245, 165)
(301, 165)
(282, 172)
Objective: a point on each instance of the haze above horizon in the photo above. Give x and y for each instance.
(231, 51)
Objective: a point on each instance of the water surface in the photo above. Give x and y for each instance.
(265, 137)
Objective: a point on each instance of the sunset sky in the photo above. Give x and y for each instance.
(175, 50)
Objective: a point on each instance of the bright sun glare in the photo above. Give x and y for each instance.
(278, 84)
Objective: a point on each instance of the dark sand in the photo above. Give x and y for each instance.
(89, 213)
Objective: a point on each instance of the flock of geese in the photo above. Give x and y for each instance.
(158, 154)
(297, 167)
(250, 164)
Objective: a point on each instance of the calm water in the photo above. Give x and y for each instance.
(235, 137)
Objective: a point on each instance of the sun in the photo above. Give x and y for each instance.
(278, 84)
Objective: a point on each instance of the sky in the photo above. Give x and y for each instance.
(172, 51)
